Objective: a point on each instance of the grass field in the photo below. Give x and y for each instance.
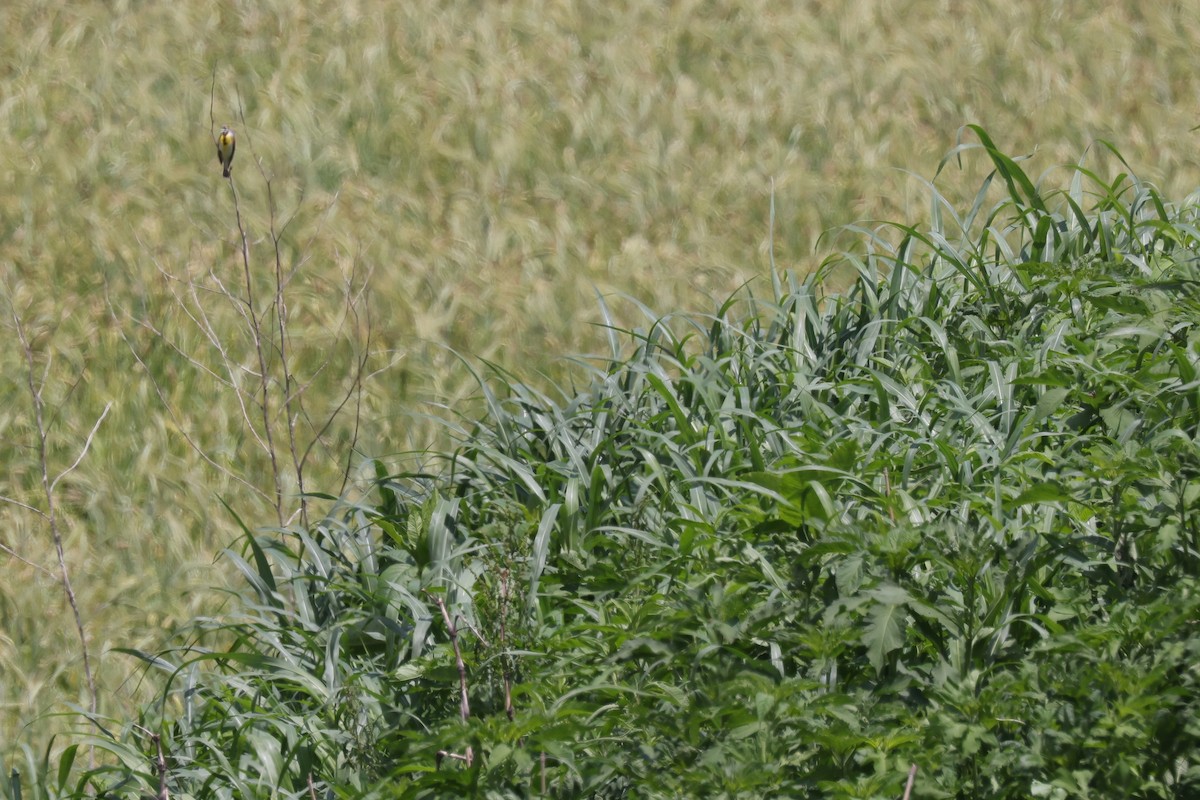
(483, 171)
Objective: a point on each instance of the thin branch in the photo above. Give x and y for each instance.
(231, 367)
(281, 315)
(354, 388)
(464, 707)
(26, 506)
(912, 776)
(84, 450)
(196, 448)
(18, 556)
(359, 394)
(160, 762)
(51, 514)
(504, 659)
(212, 96)
(162, 336)
(472, 629)
(468, 757)
(256, 334)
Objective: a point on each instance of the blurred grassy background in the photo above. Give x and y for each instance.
(486, 168)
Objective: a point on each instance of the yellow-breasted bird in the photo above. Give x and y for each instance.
(226, 144)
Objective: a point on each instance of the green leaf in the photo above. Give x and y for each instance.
(885, 624)
(1049, 402)
(1048, 492)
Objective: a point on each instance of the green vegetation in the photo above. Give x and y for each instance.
(423, 189)
(942, 518)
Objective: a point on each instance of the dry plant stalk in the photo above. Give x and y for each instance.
(912, 776)
(291, 389)
(464, 705)
(36, 386)
(508, 705)
(271, 402)
(160, 762)
(160, 765)
(464, 708)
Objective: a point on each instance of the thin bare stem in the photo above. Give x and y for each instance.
(160, 762)
(179, 426)
(14, 554)
(25, 506)
(233, 369)
(281, 321)
(464, 707)
(482, 639)
(505, 660)
(83, 450)
(354, 390)
(212, 96)
(256, 334)
(912, 776)
(51, 514)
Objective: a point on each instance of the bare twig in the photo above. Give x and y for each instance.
(32, 509)
(912, 776)
(256, 333)
(83, 451)
(281, 315)
(354, 390)
(160, 763)
(35, 386)
(504, 659)
(202, 323)
(466, 757)
(14, 553)
(464, 707)
(270, 394)
(179, 426)
(212, 96)
(253, 320)
(472, 629)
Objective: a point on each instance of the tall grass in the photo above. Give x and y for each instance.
(798, 546)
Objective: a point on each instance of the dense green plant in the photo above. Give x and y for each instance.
(480, 167)
(941, 518)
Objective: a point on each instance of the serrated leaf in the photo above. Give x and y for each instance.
(849, 575)
(885, 624)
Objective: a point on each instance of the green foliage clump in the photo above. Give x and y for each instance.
(942, 518)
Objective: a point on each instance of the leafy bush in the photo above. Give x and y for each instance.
(942, 518)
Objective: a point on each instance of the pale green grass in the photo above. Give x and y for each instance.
(490, 166)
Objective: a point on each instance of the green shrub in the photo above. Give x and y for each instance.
(941, 518)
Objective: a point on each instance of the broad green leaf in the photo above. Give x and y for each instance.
(885, 624)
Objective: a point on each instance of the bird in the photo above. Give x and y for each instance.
(226, 144)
